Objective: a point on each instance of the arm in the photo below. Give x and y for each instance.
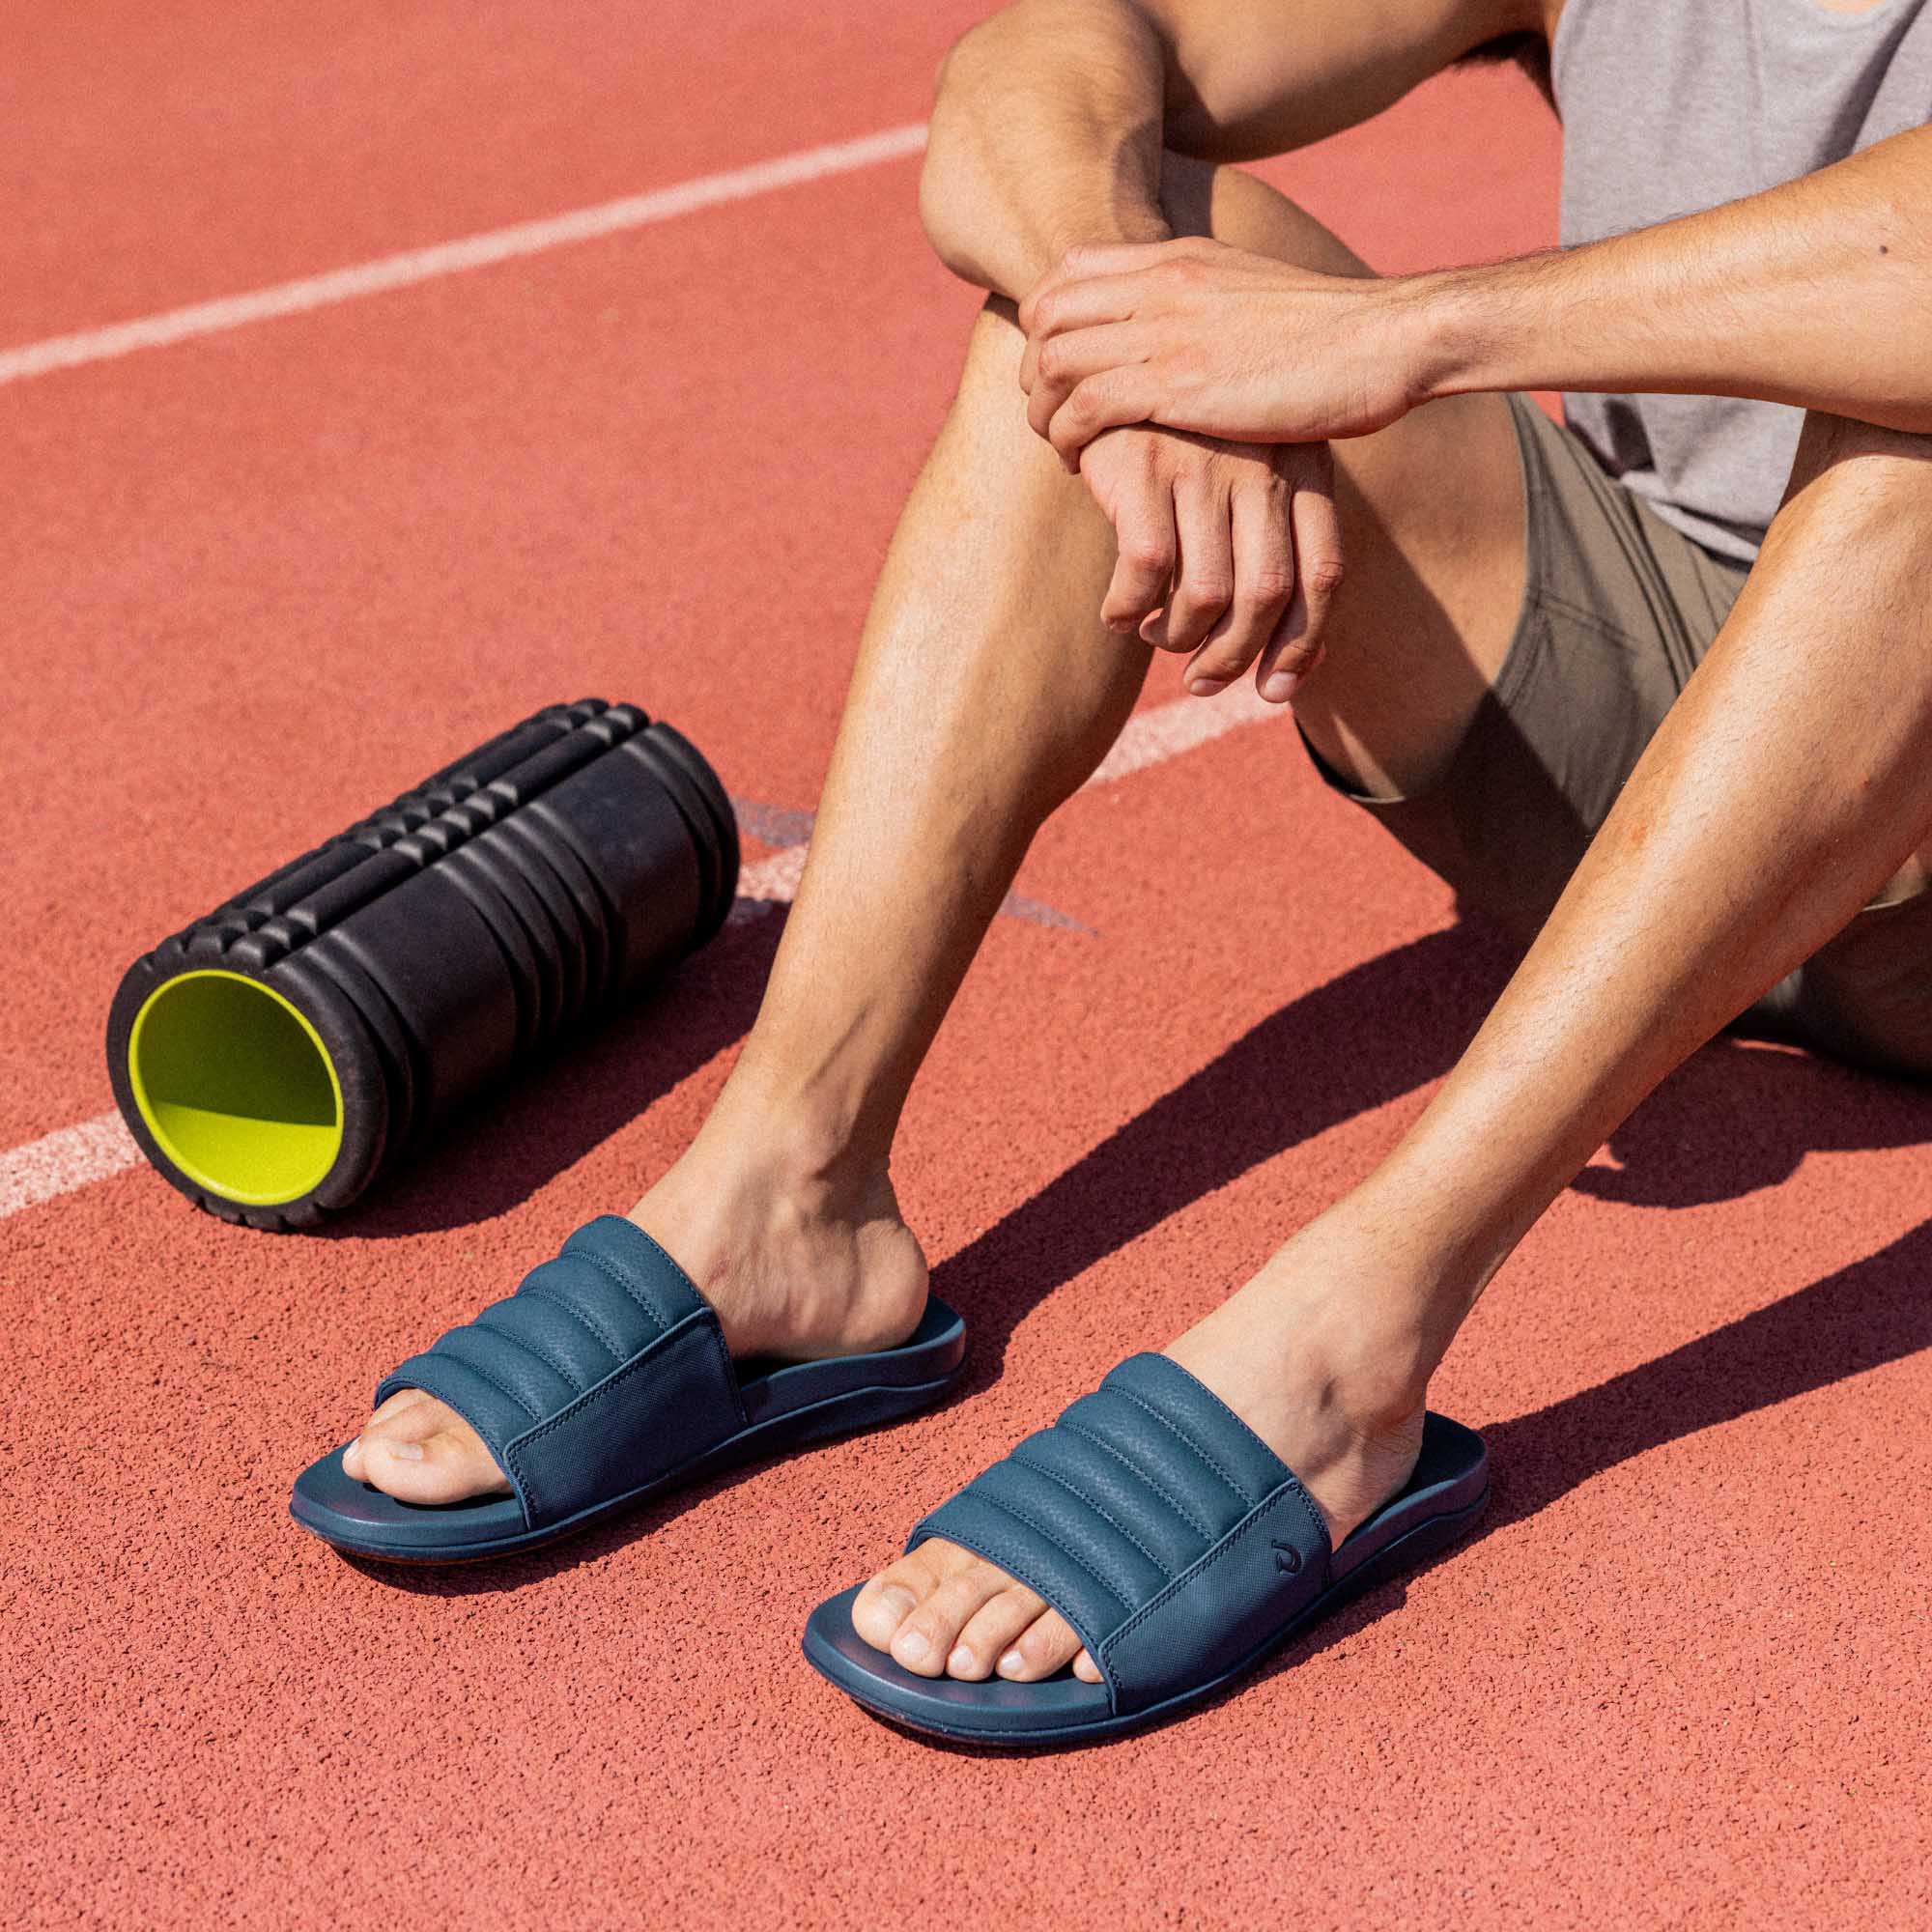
(1818, 293)
(1051, 116)
(1785, 786)
(1055, 123)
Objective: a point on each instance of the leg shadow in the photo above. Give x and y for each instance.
(1741, 1116)
(1377, 1032)
(1876, 1311)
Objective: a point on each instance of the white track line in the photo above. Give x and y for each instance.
(62, 1161)
(770, 882)
(452, 258)
(75, 1157)
(1169, 729)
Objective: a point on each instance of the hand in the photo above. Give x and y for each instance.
(1195, 335)
(1230, 551)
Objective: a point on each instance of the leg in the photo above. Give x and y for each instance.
(1782, 791)
(987, 691)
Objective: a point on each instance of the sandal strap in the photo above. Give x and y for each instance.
(1115, 1511)
(604, 1369)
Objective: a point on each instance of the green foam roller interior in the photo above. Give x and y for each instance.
(236, 1086)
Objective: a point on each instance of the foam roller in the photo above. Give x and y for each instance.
(278, 1057)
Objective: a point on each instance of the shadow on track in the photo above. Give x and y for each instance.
(1875, 1311)
(1739, 1116)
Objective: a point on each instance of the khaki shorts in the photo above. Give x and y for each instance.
(1618, 608)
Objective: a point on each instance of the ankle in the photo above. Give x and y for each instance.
(794, 1150)
(1373, 1377)
(801, 1255)
(1383, 1294)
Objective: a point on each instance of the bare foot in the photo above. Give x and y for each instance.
(1341, 1407)
(799, 1265)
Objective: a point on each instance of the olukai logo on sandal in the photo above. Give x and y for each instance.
(1288, 1559)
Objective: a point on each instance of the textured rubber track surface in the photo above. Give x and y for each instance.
(1677, 1676)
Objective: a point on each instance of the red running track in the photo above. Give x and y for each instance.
(256, 581)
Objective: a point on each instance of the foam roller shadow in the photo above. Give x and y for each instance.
(280, 1055)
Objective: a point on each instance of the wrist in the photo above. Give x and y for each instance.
(1455, 335)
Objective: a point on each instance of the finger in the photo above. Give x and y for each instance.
(1205, 579)
(1298, 643)
(1108, 399)
(1063, 362)
(1071, 306)
(1263, 584)
(1142, 570)
(1091, 260)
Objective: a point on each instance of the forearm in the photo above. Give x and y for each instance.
(1818, 294)
(1783, 788)
(1047, 131)
(1052, 116)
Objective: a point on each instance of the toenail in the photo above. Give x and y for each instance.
(349, 1446)
(1012, 1664)
(405, 1452)
(911, 1644)
(963, 1663)
(896, 1598)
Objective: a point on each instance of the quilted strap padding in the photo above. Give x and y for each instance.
(606, 1358)
(1136, 1491)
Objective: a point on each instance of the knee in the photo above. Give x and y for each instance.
(1233, 206)
(1857, 484)
(961, 187)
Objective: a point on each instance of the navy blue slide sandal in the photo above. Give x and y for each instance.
(601, 1382)
(1175, 1540)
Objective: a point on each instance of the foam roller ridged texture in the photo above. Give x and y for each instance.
(461, 932)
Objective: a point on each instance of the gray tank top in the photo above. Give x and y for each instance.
(1672, 106)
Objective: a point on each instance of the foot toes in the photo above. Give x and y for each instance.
(352, 1458)
(891, 1598)
(1046, 1645)
(992, 1630)
(918, 1610)
(945, 1612)
(418, 1450)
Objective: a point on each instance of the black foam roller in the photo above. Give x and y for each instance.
(278, 1057)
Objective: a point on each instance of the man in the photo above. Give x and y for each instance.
(1657, 689)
